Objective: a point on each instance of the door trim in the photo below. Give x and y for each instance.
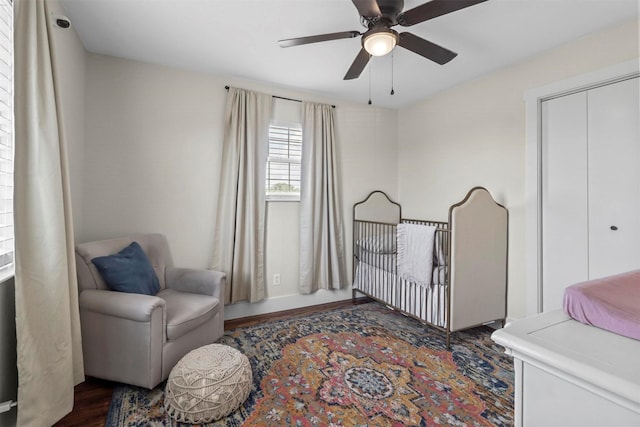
(533, 173)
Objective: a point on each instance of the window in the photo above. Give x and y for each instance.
(283, 163)
(6, 137)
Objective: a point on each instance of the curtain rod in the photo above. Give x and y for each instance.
(281, 97)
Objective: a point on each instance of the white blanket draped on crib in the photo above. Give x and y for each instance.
(415, 252)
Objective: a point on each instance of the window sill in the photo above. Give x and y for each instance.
(283, 199)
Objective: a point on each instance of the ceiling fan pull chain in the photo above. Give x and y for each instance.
(369, 85)
(392, 91)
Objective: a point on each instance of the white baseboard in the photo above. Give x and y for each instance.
(286, 302)
(498, 324)
(290, 302)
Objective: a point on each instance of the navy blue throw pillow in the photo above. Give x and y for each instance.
(128, 271)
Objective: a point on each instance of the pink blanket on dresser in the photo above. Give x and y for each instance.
(611, 303)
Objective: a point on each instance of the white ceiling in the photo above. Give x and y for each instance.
(238, 38)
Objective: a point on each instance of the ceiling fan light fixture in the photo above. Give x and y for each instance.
(380, 41)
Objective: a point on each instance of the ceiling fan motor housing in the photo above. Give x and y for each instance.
(390, 9)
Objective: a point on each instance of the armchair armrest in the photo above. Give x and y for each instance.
(206, 282)
(129, 306)
(123, 336)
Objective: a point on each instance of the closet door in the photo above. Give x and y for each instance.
(590, 187)
(565, 256)
(614, 178)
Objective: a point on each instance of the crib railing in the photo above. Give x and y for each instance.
(375, 244)
(430, 304)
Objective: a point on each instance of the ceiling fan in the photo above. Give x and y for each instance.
(378, 16)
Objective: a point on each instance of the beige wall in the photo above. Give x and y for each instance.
(474, 134)
(151, 154)
(152, 161)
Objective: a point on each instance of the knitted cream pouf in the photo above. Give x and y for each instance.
(207, 384)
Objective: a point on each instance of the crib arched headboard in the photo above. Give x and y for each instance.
(378, 207)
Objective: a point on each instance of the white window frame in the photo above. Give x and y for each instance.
(282, 196)
(7, 143)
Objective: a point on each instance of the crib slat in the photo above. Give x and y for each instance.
(375, 264)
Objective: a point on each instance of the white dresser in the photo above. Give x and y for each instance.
(569, 374)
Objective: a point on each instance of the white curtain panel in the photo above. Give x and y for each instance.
(322, 261)
(240, 221)
(47, 316)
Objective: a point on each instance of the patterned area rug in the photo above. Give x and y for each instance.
(362, 365)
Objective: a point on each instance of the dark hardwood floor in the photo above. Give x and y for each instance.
(91, 404)
(93, 396)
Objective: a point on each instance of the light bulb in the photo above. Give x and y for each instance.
(381, 42)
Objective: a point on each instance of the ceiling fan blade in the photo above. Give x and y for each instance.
(425, 48)
(433, 9)
(319, 38)
(358, 65)
(367, 8)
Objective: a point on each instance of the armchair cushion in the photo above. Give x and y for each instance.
(187, 311)
(128, 271)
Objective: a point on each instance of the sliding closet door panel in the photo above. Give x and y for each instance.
(564, 196)
(614, 178)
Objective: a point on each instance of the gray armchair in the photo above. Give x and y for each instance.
(137, 339)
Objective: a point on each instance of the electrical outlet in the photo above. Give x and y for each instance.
(276, 279)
